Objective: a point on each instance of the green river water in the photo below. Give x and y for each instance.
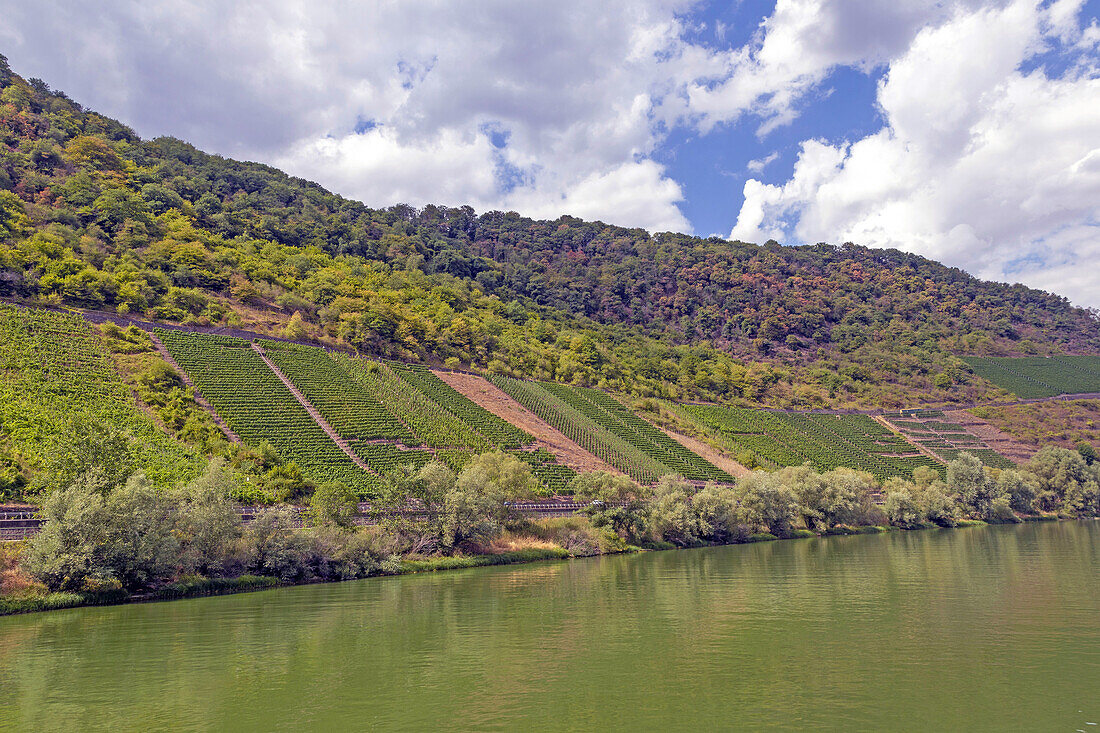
(984, 628)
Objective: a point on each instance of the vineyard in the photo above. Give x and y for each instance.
(353, 412)
(1038, 376)
(389, 414)
(605, 428)
(54, 374)
(947, 440)
(259, 408)
(57, 383)
(499, 432)
(825, 441)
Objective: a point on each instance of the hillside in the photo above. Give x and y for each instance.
(286, 418)
(95, 217)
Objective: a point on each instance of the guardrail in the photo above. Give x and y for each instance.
(24, 522)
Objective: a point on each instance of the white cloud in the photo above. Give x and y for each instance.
(981, 164)
(797, 47)
(758, 165)
(560, 107)
(572, 87)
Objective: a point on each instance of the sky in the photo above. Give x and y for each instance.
(967, 131)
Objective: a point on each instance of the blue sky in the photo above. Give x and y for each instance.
(963, 130)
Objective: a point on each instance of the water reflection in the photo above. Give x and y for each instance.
(968, 628)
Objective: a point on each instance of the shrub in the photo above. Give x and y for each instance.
(333, 504)
(126, 536)
(902, 509)
(671, 517)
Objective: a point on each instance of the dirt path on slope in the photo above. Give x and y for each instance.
(309, 408)
(920, 449)
(997, 439)
(486, 394)
(201, 401)
(710, 453)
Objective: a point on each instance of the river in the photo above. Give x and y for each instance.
(983, 628)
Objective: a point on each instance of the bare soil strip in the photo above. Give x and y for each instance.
(709, 452)
(492, 398)
(998, 440)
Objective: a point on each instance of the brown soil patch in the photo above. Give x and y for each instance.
(709, 452)
(496, 401)
(998, 440)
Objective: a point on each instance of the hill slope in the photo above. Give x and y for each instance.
(95, 217)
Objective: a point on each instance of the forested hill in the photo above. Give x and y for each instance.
(94, 217)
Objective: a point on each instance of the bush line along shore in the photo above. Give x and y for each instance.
(110, 541)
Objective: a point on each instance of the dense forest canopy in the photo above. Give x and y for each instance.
(92, 216)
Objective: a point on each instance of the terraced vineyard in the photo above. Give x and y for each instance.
(605, 428)
(431, 425)
(825, 441)
(1038, 376)
(390, 414)
(947, 440)
(56, 380)
(259, 407)
(499, 432)
(353, 412)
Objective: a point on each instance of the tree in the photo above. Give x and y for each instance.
(719, 513)
(605, 487)
(671, 515)
(767, 502)
(334, 504)
(1020, 488)
(272, 547)
(141, 546)
(295, 328)
(90, 541)
(1064, 480)
(208, 522)
(71, 544)
(974, 484)
(902, 509)
(499, 473)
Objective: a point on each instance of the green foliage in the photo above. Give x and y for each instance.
(333, 504)
(825, 441)
(671, 516)
(901, 507)
(453, 511)
(1064, 481)
(208, 522)
(92, 215)
(90, 542)
(766, 500)
(64, 408)
(605, 487)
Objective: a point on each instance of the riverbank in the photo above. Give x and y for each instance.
(197, 586)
